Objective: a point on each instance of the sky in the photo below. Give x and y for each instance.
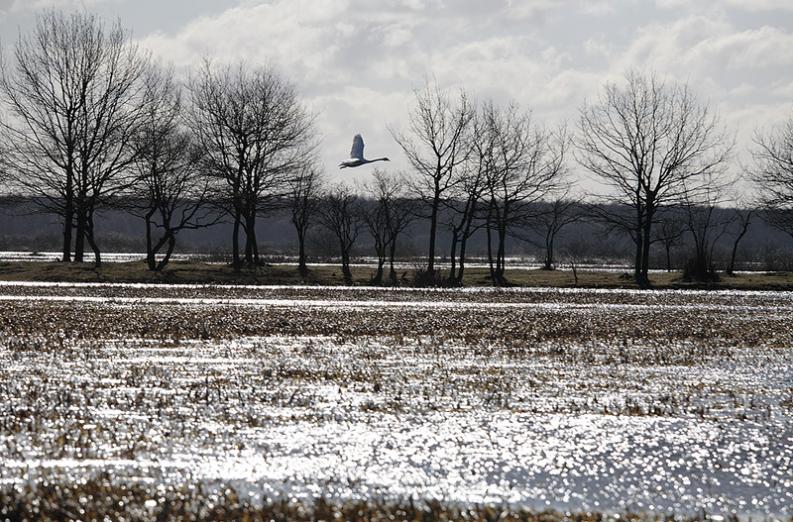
(356, 63)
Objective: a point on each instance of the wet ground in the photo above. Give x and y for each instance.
(611, 401)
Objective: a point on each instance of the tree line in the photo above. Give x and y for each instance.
(91, 122)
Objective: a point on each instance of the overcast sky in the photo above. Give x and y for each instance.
(356, 62)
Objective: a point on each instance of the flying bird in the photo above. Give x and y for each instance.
(356, 155)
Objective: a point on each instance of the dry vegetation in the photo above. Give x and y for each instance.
(193, 272)
(100, 499)
(136, 402)
(507, 316)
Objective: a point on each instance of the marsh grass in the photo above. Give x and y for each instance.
(101, 499)
(191, 272)
(114, 381)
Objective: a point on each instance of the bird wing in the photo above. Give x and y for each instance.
(357, 147)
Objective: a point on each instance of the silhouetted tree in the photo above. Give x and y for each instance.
(651, 144)
(340, 212)
(550, 219)
(669, 231)
(254, 134)
(169, 192)
(305, 190)
(72, 94)
(436, 147)
(743, 220)
(706, 225)
(464, 206)
(527, 164)
(773, 176)
(388, 215)
(375, 216)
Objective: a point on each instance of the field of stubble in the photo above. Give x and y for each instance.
(145, 401)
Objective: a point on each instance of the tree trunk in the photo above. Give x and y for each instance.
(167, 257)
(490, 251)
(461, 257)
(433, 233)
(392, 275)
(548, 252)
(92, 239)
(466, 234)
(453, 256)
(501, 254)
(668, 257)
(248, 248)
(150, 252)
(637, 268)
(731, 269)
(68, 221)
(251, 249)
(235, 243)
(79, 240)
(345, 266)
(378, 276)
(256, 259)
(645, 270)
(302, 268)
(248, 244)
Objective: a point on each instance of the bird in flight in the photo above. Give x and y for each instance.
(356, 155)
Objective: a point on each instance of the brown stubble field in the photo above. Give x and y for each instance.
(212, 401)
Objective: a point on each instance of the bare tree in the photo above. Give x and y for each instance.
(402, 213)
(527, 164)
(72, 97)
(374, 214)
(550, 219)
(390, 213)
(169, 192)
(651, 144)
(743, 220)
(40, 139)
(303, 199)
(254, 134)
(436, 148)
(464, 206)
(773, 176)
(669, 231)
(340, 213)
(706, 224)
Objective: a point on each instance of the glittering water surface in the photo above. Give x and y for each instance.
(594, 418)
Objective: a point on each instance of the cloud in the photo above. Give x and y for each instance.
(528, 8)
(760, 5)
(10, 6)
(712, 52)
(356, 62)
(739, 5)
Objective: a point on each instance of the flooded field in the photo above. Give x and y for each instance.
(600, 401)
(512, 263)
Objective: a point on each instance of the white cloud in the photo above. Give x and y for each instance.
(712, 52)
(530, 8)
(760, 5)
(11, 6)
(740, 5)
(356, 61)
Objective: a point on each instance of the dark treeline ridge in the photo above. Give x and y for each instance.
(103, 148)
(23, 228)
